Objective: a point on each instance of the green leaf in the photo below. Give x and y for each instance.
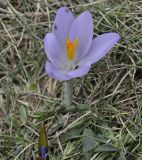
(33, 87)
(69, 148)
(74, 133)
(105, 148)
(79, 124)
(122, 156)
(83, 107)
(23, 114)
(88, 140)
(140, 102)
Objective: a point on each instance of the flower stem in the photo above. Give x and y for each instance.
(67, 93)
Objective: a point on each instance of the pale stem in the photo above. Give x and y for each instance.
(67, 93)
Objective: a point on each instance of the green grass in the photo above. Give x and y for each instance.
(108, 122)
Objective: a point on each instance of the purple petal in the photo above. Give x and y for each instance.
(101, 46)
(82, 28)
(55, 73)
(53, 51)
(62, 24)
(81, 71)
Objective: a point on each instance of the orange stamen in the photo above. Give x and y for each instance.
(71, 48)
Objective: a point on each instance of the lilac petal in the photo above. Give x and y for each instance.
(62, 23)
(81, 71)
(101, 45)
(53, 51)
(82, 28)
(55, 73)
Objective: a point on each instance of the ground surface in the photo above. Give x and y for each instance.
(107, 124)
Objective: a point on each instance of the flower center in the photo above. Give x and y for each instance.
(71, 48)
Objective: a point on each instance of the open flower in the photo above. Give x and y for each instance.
(70, 46)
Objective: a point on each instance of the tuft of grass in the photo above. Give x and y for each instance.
(107, 124)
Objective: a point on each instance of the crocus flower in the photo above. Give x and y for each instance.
(70, 46)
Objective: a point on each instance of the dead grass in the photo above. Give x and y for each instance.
(107, 125)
